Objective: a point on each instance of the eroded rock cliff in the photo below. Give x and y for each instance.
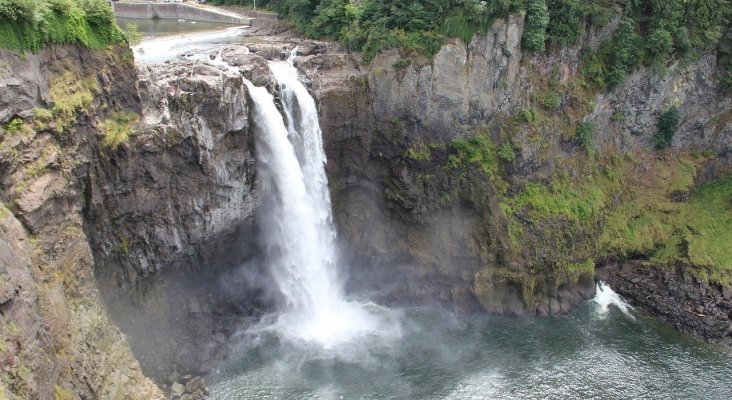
(495, 179)
(56, 340)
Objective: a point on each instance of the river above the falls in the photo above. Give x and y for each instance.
(589, 354)
(167, 39)
(165, 27)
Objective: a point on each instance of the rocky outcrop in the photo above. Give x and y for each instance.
(626, 118)
(675, 296)
(56, 340)
(462, 85)
(177, 251)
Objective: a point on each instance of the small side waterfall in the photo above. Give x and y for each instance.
(296, 217)
(605, 297)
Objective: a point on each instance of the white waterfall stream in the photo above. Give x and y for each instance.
(605, 297)
(296, 217)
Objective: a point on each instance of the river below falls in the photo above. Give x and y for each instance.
(589, 354)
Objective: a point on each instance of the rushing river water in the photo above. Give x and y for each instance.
(586, 355)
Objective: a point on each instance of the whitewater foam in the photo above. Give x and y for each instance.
(605, 297)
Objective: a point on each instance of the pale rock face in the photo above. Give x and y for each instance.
(461, 85)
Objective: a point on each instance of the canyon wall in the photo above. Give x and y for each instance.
(460, 180)
(56, 340)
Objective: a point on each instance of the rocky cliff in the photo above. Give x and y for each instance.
(56, 340)
(466, 176)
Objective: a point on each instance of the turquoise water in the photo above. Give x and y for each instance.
(586, 355)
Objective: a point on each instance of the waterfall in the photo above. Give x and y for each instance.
(296, 219)
(605, 297)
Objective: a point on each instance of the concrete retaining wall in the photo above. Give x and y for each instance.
(175, 11)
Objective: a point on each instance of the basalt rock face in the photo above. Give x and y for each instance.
(56, 339)
(175, 252)
(416, 230)
(419, 226)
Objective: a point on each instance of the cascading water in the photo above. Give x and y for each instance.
(296, 217)
(605, 297)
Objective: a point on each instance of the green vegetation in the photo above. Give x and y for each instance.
(583, 135)
(668, 124)
(117, 129)
(28, 25)
(15, 126)
(505, 152)
(70, 94)
(537, 21)
(560, 198)
(651, 31)
(696, 232)
(418, 151)
(478, 150)
(369, 26)
(132, 33)
(572, 272)
(700, 233)
(550, 101)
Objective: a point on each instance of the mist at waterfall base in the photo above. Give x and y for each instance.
(596, 352)
(323, 345)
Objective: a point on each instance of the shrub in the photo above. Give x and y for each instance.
(550, 101)
(659, 45)
(14, 125)
(583, 134)
(28, 25)
(505, 152)
(477, 150)
(668, 124)
(132, 33)
(565, 18)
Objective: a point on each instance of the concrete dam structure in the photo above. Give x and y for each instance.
(177, 11)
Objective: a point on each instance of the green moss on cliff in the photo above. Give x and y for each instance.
(479, 150)
(71, 94)
(700, 232)
(560, 198)
(639, 218)
(118, 128)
